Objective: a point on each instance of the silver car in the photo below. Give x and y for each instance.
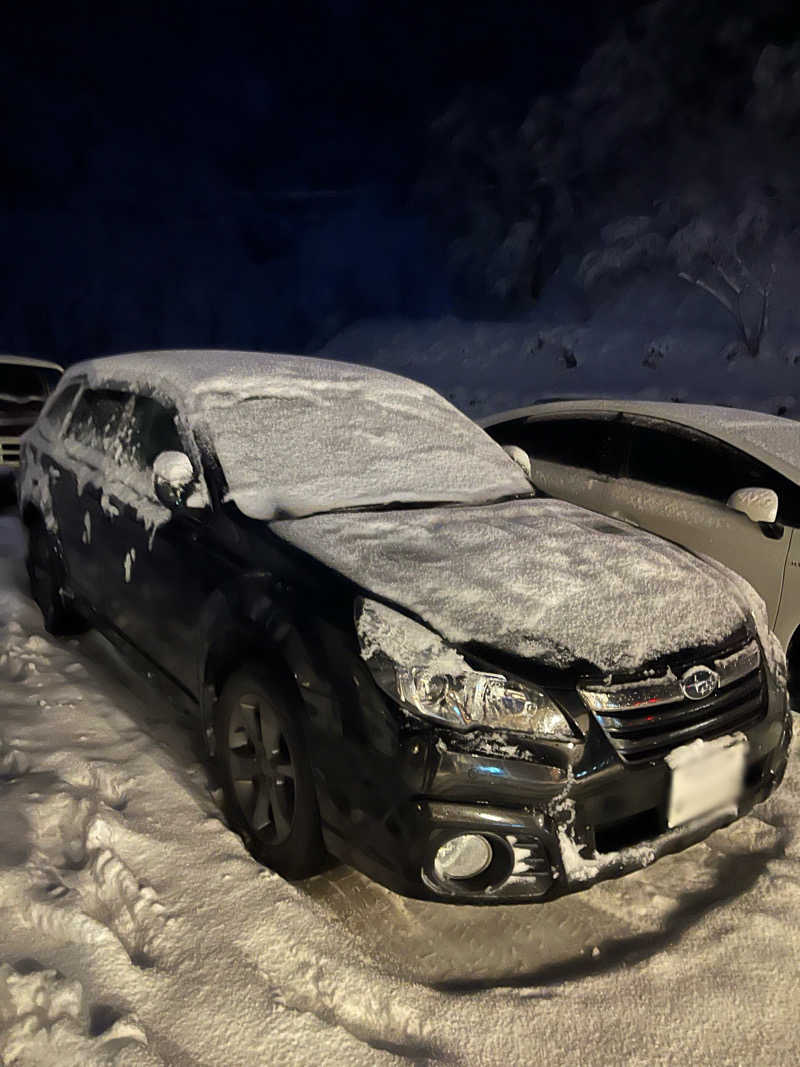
(717, 480)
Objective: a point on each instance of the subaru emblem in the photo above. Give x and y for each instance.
(699, 682)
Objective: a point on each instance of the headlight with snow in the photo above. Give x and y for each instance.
(416, 667)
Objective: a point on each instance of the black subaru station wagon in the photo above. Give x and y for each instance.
(396, 651)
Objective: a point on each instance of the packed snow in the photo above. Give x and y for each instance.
(276, 424)
(537, 578)
(136, 930)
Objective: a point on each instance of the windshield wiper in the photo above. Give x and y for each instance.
(408, 505)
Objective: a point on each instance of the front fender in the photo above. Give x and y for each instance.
(256, 620)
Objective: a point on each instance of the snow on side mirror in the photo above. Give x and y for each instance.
(173, 478)
(521, 458)
(759, 505)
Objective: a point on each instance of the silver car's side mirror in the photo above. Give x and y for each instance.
(759, 505)
(173, 478)
(521, 458)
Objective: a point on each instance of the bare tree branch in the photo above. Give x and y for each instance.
(730, 281)
(718, 295)
(752, 339)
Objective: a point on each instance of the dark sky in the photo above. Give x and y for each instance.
(329, 93)
(150, 145)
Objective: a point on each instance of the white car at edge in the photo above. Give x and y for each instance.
(720, 481)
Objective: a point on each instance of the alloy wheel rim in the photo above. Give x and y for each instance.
(261, 769)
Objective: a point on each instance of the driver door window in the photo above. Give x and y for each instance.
(153, 430)
(677, 486)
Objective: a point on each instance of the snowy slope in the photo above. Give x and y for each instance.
(649, 342)
(136, 930)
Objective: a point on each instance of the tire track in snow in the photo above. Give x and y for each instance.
(83, 894)
(44, 1020)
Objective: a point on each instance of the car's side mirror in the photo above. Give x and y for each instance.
(173, 478)
(759, 505)
(521, 458)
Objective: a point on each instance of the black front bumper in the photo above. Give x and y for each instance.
(553, 829)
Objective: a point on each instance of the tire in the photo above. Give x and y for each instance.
(8, 490)
(266, 773)
(46, 576)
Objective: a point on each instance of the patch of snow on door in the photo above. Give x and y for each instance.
(130, 559)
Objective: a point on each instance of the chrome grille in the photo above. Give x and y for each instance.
(9, 451)
(645, 719)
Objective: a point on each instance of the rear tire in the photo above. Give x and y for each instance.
(793, 671)
(266, 773)
(46, 576)
(8, 490)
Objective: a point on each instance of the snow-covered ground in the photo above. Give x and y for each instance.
(135, 928)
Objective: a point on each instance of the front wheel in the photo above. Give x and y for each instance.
(266, 774)
(47, 581)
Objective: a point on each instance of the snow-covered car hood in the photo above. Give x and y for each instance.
(536, 578)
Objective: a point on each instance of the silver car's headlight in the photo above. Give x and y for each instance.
(429, 677)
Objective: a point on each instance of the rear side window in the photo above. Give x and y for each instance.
(98, 418)
(21, 382)
(58, 407)
(595, 444)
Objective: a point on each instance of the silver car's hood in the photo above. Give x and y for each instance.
(536, 578)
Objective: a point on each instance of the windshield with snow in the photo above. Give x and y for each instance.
(20, 384)
(302, 447)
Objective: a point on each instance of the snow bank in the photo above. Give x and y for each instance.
(484, 367)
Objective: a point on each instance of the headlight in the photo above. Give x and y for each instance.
(417, 668)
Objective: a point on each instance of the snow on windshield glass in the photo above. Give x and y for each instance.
(296, 435)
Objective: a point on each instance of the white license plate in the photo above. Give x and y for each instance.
(707, 776)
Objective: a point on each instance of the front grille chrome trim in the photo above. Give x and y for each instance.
(646, 719)
(665, 689)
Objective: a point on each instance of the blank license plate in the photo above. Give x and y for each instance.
(707, 776)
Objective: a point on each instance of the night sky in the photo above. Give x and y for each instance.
(241, 174)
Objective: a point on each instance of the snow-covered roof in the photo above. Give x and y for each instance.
(29, 361)
(769, 438)
(297, 434)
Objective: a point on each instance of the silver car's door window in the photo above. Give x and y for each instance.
(571, 458)
(676, 485)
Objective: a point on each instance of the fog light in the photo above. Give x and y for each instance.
(465, 856)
